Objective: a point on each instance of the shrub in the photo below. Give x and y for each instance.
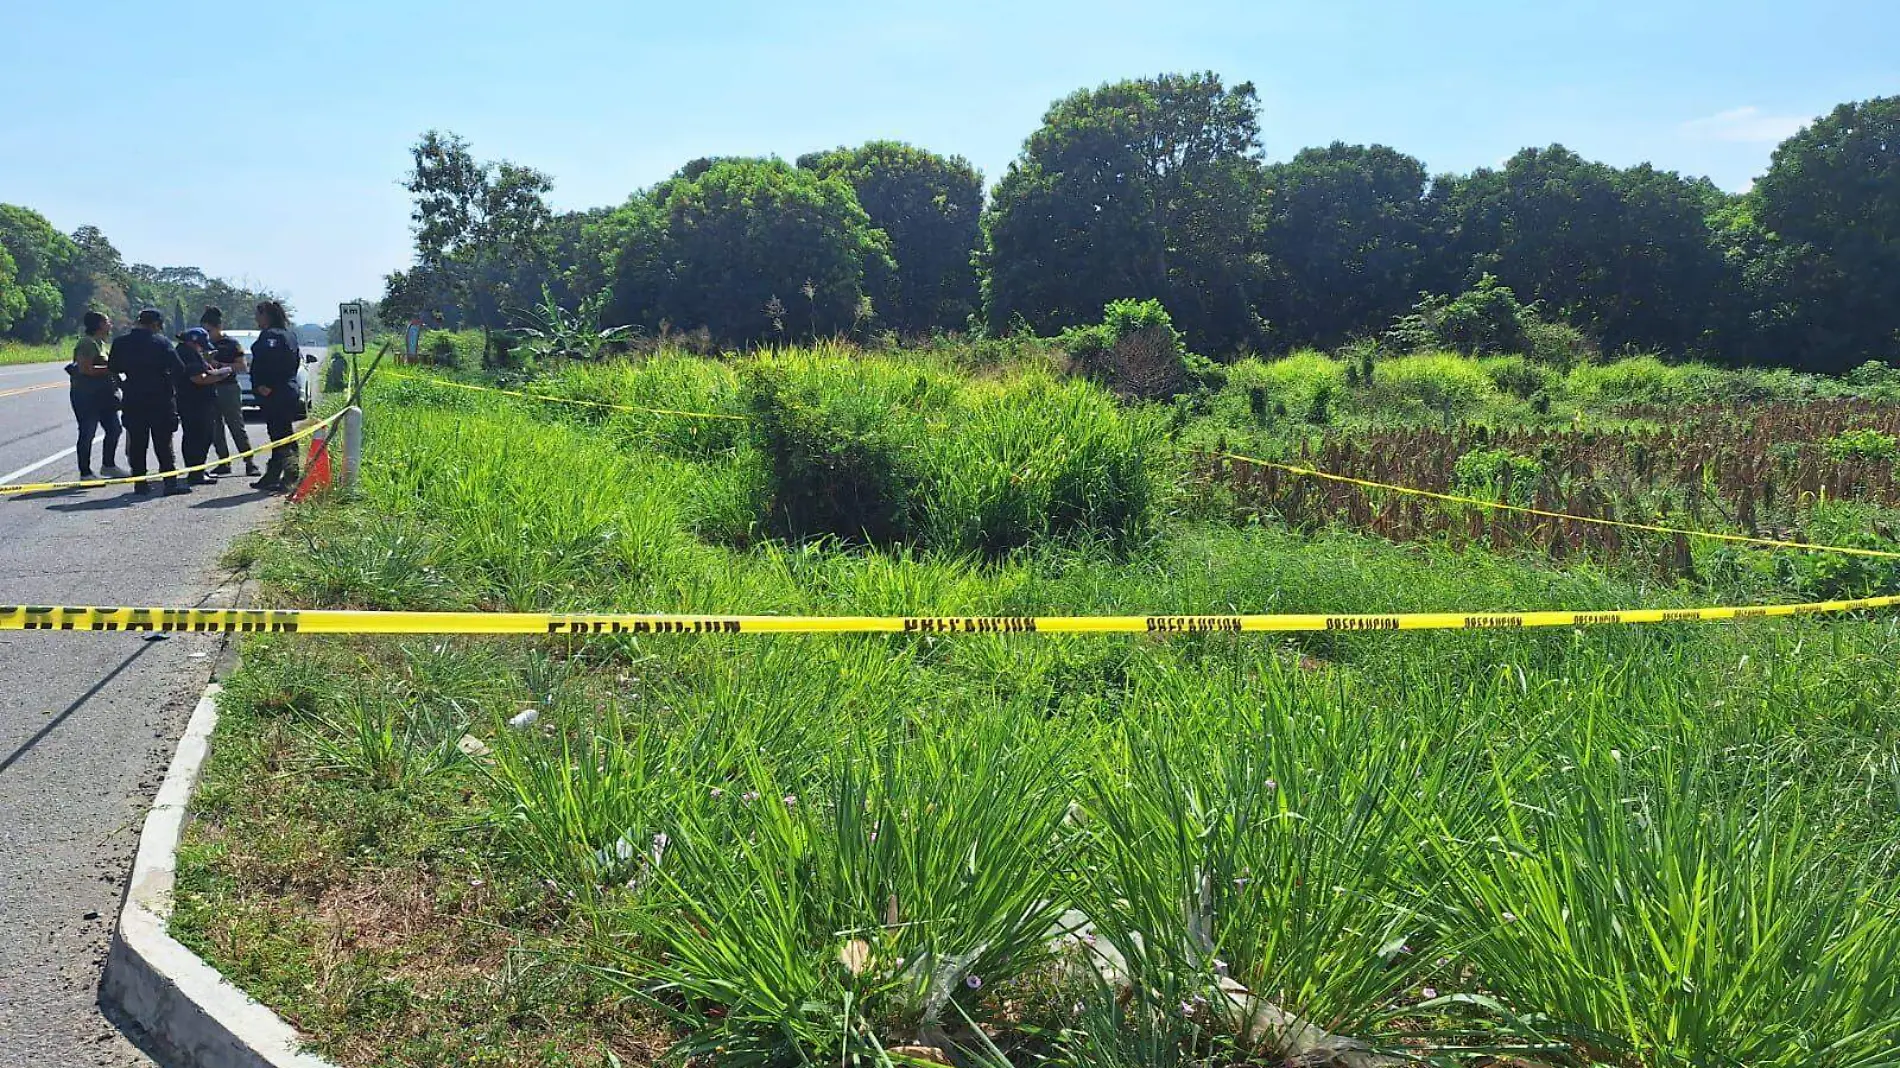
(1497, 474)
(1037, 459)
(1135, 350)
(453, 348)
(1518, 376)
(1255, 388)
(836, 462)
(885, 452)
(1435, 382)
(1636, 380)
(1861, 444)
(1874, 380)
(1558, 344)
(1484, 320)
(1488, 320)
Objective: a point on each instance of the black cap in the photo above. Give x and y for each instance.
(151, 315)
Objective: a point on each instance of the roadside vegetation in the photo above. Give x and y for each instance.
(13, 353)
(1632, 846)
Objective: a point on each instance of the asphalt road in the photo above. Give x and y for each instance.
(88, 723)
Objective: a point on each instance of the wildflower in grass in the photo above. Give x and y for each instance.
(1508, 917)
(718, 793)
(1271, 785)
(973, 981)
(1187, 1009)
(1428, 993)
(791, 800)
(749, 796)
(1220, 967)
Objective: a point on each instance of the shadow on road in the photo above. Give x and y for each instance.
(120, 500)
(53, 725)
(234, 500)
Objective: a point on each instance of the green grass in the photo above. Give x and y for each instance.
(1635, 846)
(13, 352)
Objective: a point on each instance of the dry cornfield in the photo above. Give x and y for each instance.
(1755, 470)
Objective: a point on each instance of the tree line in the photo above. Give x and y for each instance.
(1158, 188)
(49, 280)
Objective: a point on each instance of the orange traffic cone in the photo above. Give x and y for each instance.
(317, 476)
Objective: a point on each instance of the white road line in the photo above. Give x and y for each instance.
(11, 477)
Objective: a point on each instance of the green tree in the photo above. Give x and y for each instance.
(930, 207)
(1626, 255)
(1344, 232)
(46, 273)
(1826, 278)
(481, 234)
(1137, 189)
(12, 295)
(750, 250)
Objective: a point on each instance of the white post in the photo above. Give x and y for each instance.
(352, 445)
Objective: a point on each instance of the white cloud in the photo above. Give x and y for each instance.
(1748, 125)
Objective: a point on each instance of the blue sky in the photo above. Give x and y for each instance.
(265, 141)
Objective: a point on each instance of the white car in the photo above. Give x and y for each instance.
(244, 338)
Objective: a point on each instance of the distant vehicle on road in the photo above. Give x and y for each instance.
(245, 338)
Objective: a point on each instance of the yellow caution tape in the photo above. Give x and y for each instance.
(431, 380)
(4, 393)
(93, 483)
(1652, 528)
(328, 621)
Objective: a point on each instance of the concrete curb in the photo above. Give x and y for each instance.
(190, 1014)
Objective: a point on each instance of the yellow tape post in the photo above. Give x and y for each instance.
(1479, 502)
(94, 483)
(433, 381)
(330, 621)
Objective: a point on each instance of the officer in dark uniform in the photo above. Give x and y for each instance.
(146, 363)
(198, 399)
(275, 361)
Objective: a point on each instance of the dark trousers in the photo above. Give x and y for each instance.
(280, 421)
(94, 411)
(230, 419)
(150, 424)
(197, 416)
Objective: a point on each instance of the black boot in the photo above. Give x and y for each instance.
(173, 489)
(200, 478)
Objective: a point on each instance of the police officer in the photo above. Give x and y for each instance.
(228, 430)
(275, 361)
(146, 363)
(197, 395)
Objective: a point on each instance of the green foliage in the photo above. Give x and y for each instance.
(482, 234)
(884, 453)
(1861, 444)
(1433, 383)
(1482, 321)
(1133, 189)
(1135, 350)
(752, 250)
(1626, 255)
(1497, 474)
(551, 332)
(1519, 377)
(929, 206)
(1828, 290)
(1303, 383)
(1344, 228)
(452, 348)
